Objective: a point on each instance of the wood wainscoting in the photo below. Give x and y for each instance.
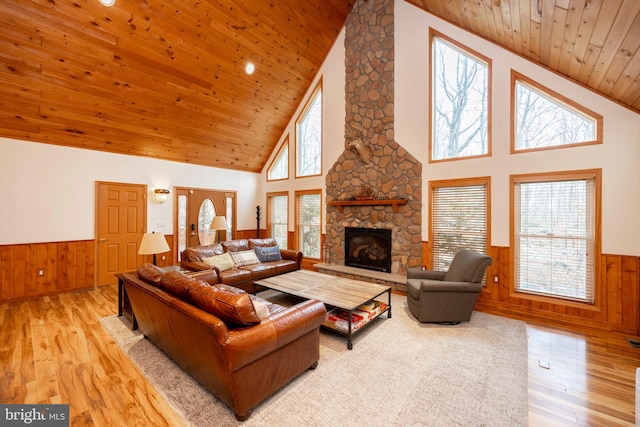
(617, 306)
(65, 266)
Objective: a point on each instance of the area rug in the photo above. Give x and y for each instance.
(400, 372)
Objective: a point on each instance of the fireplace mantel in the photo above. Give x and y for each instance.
(394, 203)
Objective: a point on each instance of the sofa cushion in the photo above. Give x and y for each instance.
(260, 270)
(235, 276)
(150, 273)
(269, 241)
(196, 253)
(242, 258)
(177, 284)
(236, 245)
(230, 304)
(268, 253)
(223, 262)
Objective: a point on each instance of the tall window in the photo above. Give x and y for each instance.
(460, 101)
(545, 119)
(459, 218)
(279, 169)
(309, 137)
(278, 217)
(555, 224)
(308, 220)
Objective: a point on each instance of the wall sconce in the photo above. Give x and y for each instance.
(161, 195)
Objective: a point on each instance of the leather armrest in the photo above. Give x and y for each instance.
(248, 344)
(196, 265)
(418, 273)
(441, 286)
(291, 254)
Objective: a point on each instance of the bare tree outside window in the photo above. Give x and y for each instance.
(460, 103)
(308, 224)
(309, 139)
(542, 121)
(280, 167)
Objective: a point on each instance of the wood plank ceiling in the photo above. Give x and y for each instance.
(166, 78)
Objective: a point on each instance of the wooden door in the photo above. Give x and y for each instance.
(203, 206)
(121, 216)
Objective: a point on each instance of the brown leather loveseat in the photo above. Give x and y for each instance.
(233, 269)
(239, 347)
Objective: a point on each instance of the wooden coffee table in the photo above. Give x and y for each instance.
(334, 291)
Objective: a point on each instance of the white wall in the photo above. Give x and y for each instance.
(47, 192)
(617, 156)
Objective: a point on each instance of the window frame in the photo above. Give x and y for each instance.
(433, 34)
(297, 233)
(276, 158)
(595, 174)
(463, 182)
(317, 90)
(270, 197)
(557, 98)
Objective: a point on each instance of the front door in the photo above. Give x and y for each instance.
(121, 218)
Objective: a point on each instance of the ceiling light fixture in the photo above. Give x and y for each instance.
(107, 3)
(249, 68)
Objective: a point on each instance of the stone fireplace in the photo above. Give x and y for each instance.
(375, 183)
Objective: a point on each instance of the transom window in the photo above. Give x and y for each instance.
(460, 101)
(554, 228)
(459, 219)
(279, 169)
(544, 119)
(309, 137)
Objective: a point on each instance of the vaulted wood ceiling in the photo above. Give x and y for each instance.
(166, 78)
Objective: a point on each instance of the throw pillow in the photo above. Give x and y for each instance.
(230, 304)
(268, 253)
(223, 262)
(242, 258)
(261, 307)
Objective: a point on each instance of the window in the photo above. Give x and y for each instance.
(279, 169)
(554, 227)
(309, 137)
(544, 119)
(278, 217)
(459, 219)
(308, 220)
(460, 104)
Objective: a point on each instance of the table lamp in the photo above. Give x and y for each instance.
(153, 243)
(218, 223)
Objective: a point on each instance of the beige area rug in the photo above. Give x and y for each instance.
(399, 373)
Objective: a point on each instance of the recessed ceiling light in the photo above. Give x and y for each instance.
(108, 3)
(249, 68)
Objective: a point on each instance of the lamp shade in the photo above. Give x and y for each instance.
(153, 243)
(218, 223)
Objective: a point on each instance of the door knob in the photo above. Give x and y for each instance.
(102, 240)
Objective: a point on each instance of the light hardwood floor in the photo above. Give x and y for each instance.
(54, 350)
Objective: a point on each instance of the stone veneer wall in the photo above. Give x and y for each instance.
(391, 172)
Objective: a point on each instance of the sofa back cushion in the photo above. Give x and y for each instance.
(236, 245)
(196, 253)
(269, 241)
(150, 273)
(172, 282)
(468, 266)
(224, 262)
(232, 305)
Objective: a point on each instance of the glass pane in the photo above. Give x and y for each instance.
(205, 215)
(310, 225)
(460, 103)
(279, 226)
(309, 139)
(280, 168)
(182, 224)
(229, 216)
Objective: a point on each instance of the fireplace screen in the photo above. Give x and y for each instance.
(368, 248)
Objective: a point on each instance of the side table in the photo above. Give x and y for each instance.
(124, 305)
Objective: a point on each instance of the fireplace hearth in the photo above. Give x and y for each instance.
(368, 248)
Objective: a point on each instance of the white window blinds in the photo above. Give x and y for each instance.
(554, 238)
(459, 220)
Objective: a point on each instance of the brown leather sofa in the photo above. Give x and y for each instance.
(244, 276)
(246, 352)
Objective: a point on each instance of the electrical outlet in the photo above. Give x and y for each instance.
(164, 258)
(495, 279)
(41, 272)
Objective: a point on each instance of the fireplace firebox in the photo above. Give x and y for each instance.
(368, 248)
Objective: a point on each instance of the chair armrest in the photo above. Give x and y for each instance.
(196, 265)
(442, 286)
(418, 273)
(248, 344)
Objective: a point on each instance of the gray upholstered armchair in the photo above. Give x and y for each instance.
(447, 296)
